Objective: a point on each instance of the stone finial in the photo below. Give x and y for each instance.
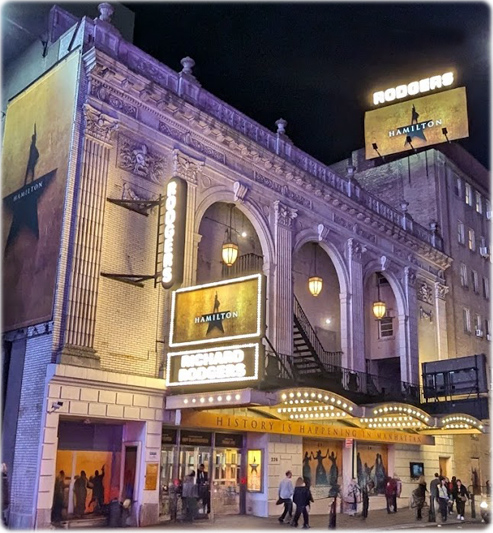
(404, 206)
(281, 125)
(434, 226)
(188, 63)
(105, 11)
(350, 170)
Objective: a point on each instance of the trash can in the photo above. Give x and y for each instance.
(115, 514)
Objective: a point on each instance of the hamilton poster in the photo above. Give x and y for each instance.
(35, 157)
(216, 312)
(416, 123)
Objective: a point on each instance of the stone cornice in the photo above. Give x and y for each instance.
(124, 91)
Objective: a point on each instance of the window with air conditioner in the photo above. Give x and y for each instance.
(483, 249)
(487, 209)
(458, 187)
(487, 329)
(478, 326)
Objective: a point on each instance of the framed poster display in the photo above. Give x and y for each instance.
(254, 470)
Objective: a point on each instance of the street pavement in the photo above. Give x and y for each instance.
(376, 520)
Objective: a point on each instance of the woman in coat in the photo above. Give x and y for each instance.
(460, 495)
(443, 498)
(420, 496)
(302, 497)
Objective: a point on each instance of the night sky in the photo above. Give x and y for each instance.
(317, 65)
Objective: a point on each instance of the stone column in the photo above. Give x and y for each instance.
(408, 330)
(441, 320)
(80, 322)
(189, 169)
(354, 352)
(282, 321)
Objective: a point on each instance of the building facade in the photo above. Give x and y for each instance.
(90, 150)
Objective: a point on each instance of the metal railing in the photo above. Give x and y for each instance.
(244, 264)
(328, 359)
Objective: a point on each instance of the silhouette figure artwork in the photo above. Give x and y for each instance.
(380, 475)
(216, 320)
(33, 157)
(307, 471)
(320, 472)
(414, 116)
(359, 470)
(334, 470)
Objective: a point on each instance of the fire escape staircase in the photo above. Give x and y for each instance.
(310, 359)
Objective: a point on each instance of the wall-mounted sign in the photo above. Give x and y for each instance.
(168, 436)
(174, 233)
(254, 470)
(217, 312)
(231, 364)
(388, 130)
(229, 440)
(413, 88)
(151, 476)
(195, 438)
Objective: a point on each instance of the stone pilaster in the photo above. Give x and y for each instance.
(441, 320)
(78, 346)
(282, 321)
(188, 169)
(353, 308)
(408, 330)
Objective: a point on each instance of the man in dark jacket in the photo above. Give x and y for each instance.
(203, 488)
(302, 497)
(391, 495)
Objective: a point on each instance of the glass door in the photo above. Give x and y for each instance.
(226, 481)
(167, 489)
(190, 459)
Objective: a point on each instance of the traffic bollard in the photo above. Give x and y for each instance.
(366, 503)
(473, 506)
(431, 514)
(332, 514)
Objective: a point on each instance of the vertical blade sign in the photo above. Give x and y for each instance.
(174, 233)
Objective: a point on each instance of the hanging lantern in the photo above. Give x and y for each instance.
(315, 285)
(315, 282)
(379, 307)
(230, 248)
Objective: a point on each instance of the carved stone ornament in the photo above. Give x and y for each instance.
(138, 159)
(98, 125)
(410, 276)
(240, 190)
(425, 293)
(441, 291)
(186, 167)
(284, 215)
(355, 249)
(427, 315)
(322, 232)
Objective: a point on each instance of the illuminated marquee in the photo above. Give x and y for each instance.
(224, 311)
(414, 88)
(174, 233)
(215, 365)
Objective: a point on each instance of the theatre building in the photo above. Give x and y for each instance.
(183, 286)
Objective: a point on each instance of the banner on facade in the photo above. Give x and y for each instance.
(416, 123)
(207, 419)
(35, 158)
(218, 312)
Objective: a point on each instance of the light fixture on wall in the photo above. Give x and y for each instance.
(379, 307)
(230, 247)
(315, 282)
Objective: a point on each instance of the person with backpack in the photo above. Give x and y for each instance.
(460, 495)
(419, 495)
(302, 497)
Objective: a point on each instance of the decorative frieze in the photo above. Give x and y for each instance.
(424, 293)
(409, 276)
(284, 215)
(140, 160)
(355, 249)
(98, 125)
(106, 94)
(426, 315)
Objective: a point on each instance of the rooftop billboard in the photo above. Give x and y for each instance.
(416, 123)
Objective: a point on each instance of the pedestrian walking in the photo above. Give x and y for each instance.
(434, 484)
(302, 497)
(353, 496)
(285, 495)
(443, 498)
(419, 494)
(461, 496)
(391, 495)
(452, 485)
(190, 494)
(204, 488)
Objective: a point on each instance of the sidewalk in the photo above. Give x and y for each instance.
(376, 520)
